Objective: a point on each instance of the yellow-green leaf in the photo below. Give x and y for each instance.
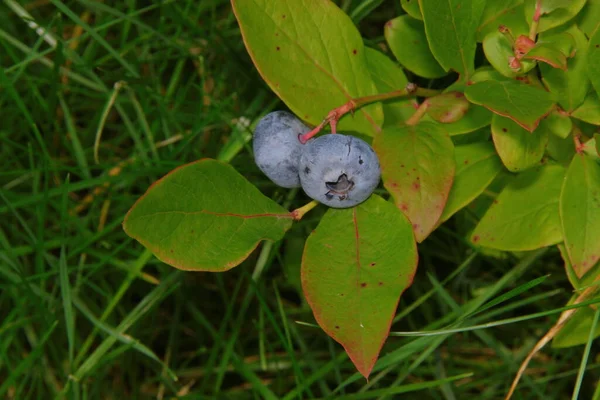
(205, 216)
(312, 56)
(353, 273)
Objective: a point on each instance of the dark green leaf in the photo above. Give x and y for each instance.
(406, 38)
(525, 214)
(524, 104)
(353, 273)
(312, 56)
(508, 13)
(451, 26)
(580, 213)
(417, 166)
(589, 17)
(570, 86)
(476, 167)
(518, 148)
(388, 76)
(205, 216)
(561, 150)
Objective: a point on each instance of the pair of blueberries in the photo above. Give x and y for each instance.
(337, 170)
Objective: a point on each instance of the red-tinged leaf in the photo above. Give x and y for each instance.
(499, 52)
(205, 216)
(518, 148)
(522, 103)
(312, 56)
(524, 216)
(477, 164)
(508, 13)
(593, 60)
(448, 107)
(417, 167)
(406, 38)
(388, 76)
(580, 213)
(354, 272)
(547, 54)
(451, 27)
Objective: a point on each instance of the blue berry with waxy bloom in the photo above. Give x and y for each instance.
(338, 170)
(277, 147)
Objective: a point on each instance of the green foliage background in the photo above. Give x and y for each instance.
(86, 312)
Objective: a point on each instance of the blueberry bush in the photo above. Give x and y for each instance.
(489, 108)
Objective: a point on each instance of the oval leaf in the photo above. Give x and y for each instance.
(417, 167)
(554, 13)
(508, 13)
(477, 164)
(518, 148)
(205, 216)
(580, 213)
(593, 60)
(353, 273)
(388, 76)
(570, 86)
(525, 214)
(451, 26)
(412, 8)
(524, 104)
(311, 55)
(406, 38)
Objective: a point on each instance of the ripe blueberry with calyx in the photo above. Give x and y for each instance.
(277, 147)
(339, 170)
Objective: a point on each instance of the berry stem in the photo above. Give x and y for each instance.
(536, 20)
(334, 115)
(298, 213)
(416, 117)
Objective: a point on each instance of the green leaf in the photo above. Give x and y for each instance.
(577, 282)
(561, 150)
(554, 12)
(509, 13)
(558, 124)
(476, 118)
(518, 148)
(593, 60)
(525, 214)
(417, 167)
(524, 104)
(412, 8)
(499, 51)
(577, 329)
(451, 26)
(353, 273)
(589, 111)
(580, 213)
(448, 107)
(476, 167)
(388, 76)
(570, 86)
(205, 216)
(312, 56)
(406, 38)
(589, 17)
(548, 54)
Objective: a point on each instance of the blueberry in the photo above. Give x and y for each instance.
(339, 170)
(277, 147)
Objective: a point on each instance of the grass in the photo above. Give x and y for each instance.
(100, 99)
